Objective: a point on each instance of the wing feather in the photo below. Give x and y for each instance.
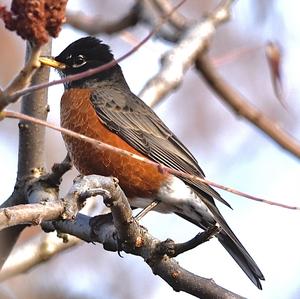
(136, 123)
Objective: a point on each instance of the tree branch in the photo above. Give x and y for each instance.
(94, 25)
(101, 68)
(136, 240)
(177, 20)
(34, 252)
(145, 11)
(178, 60)
(22, 80)
(31, 136)
(29, 214)
(132, 238)
(243, 108)
(31, 140)
(102, 145)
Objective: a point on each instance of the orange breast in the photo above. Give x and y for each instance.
(136, 178)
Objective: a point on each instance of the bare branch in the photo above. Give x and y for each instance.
(243, 108)
(177, 20)
(101, 68)
(41, 248)
(31, 136)
(22, 80)
(172, 249)
(135, 240)
(58, 170)
(102, 145)
(178, 60)
(131, 237)
(94, 25)
(29, 214)
(31, 142)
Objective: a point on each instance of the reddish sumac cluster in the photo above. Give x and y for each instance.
(35, 20)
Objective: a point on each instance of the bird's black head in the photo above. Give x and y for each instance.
(83, 54)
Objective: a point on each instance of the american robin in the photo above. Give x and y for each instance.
(103, 107)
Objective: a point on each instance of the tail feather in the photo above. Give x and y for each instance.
(243, 259)
(229, 241)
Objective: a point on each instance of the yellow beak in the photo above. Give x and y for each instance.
(50, 61)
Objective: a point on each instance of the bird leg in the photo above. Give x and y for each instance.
(147, 209)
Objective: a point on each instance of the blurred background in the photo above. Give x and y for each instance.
(231, 152)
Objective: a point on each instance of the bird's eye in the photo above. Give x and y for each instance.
(79, 61)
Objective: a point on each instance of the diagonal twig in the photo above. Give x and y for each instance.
(102, 145)
(101, 68)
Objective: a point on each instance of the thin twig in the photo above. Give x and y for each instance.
(102, 145)
(100, 68)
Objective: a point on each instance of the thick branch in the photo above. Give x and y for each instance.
(243, 108)
(133, 239)
(31, 136)
(136, 240)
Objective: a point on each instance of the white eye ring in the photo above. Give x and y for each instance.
(80, 61)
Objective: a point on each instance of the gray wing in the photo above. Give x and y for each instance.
(136, 123)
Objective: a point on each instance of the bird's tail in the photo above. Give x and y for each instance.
(235, 248)
(228, 239)
(231, 243)
(242, 257)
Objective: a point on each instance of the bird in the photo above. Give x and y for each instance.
(103, 107)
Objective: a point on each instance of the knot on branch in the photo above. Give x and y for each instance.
(35, 20)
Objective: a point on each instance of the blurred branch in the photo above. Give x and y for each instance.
(94, 25)
(176, 19)
(178, 60)
(31, 136)
(31, 140)
(147, 11)
(42, 248)
(22, 80)
(101, 68)
(243, 108)
(34, 252)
